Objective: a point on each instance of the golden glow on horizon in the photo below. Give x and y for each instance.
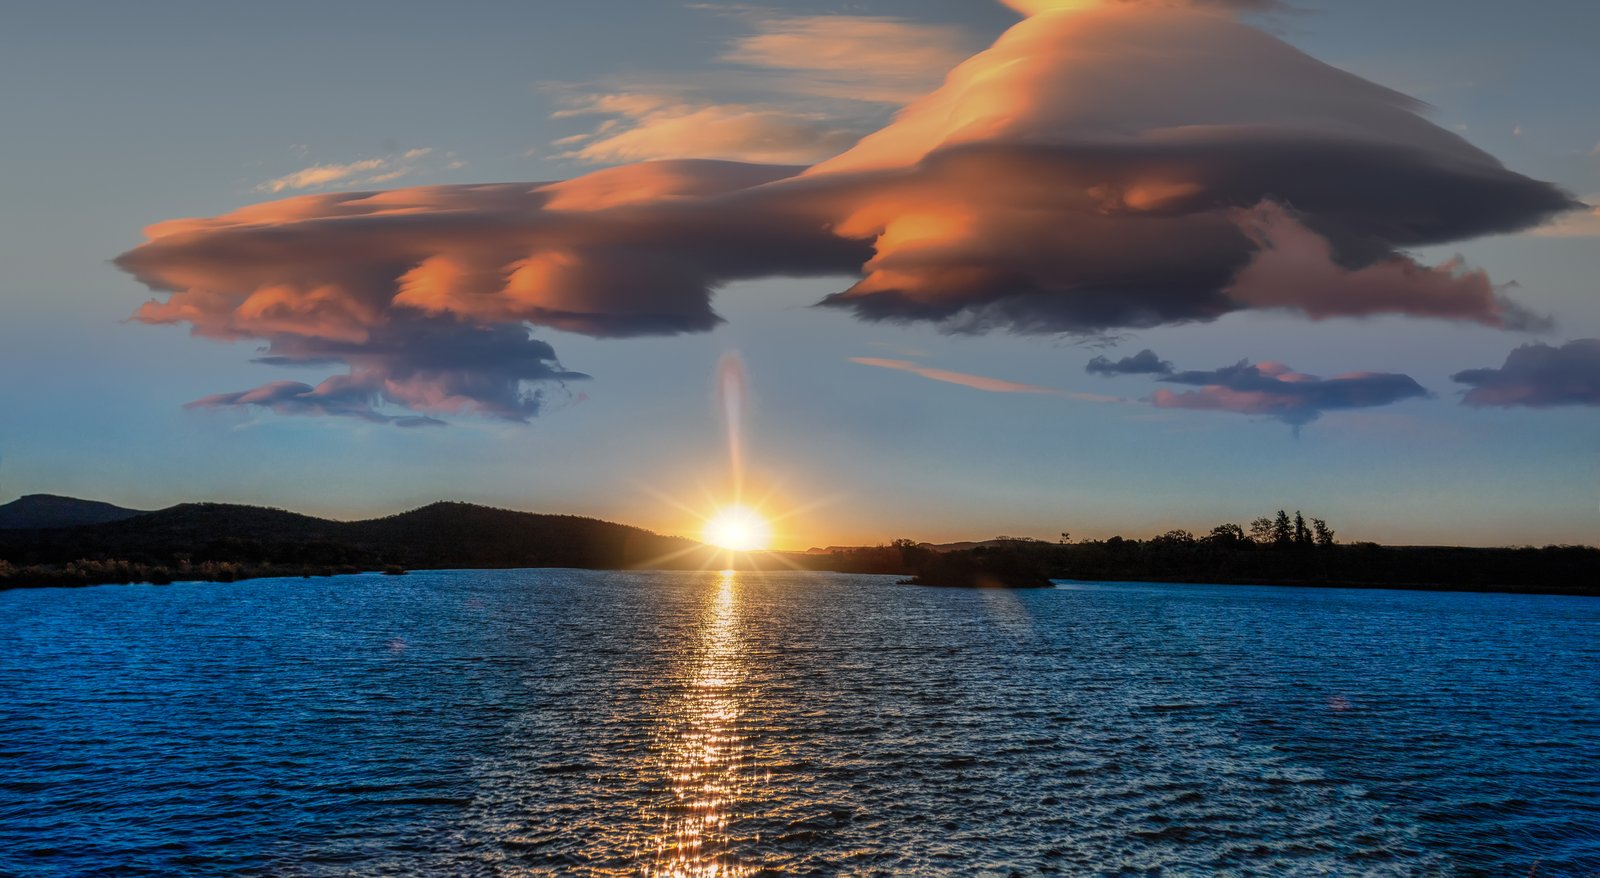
(737, 529)
(726, 520)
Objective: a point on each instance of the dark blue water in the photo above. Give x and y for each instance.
(560, 722)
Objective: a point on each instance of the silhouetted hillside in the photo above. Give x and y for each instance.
(221, 541)
(478, 536)
(48, 510)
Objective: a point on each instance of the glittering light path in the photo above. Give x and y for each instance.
(705, 755)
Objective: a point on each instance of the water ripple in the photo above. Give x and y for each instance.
(562, 722)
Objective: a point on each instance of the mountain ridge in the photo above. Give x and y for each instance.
(444, 534)
(36, 511)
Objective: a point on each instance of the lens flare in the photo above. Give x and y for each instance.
(730, 393)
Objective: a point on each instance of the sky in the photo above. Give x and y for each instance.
(1352, 236)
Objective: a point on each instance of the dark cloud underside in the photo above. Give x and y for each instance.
(1538, 376)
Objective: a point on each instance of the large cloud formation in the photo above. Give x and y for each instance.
(425, 294)
(1104, 165)
(1538, 376)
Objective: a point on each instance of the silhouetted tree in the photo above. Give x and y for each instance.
(1282, 530)
(913, 554)
(1229, 535)
(1323, 534)
(1261, 530)
(1302, 534)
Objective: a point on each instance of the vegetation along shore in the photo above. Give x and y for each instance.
(225, 543)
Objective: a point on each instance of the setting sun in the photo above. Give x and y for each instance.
(738, 529)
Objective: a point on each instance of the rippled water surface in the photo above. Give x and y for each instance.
(564, 722)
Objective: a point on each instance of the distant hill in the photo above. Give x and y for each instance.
(51, 511)
(962, 546)
(251, 540)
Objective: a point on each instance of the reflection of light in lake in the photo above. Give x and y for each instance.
(705, 754)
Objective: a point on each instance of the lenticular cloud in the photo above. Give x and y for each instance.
(1104, 165)
(1275, 389)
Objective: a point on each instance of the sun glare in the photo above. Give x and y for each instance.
(737, 529)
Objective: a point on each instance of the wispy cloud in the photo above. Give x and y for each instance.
(853, 57)
(346, 396)
(978, 382)
(1036, 7)
(645, 126)
(363, 172)
(797, 89)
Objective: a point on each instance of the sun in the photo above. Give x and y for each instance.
(737, 529)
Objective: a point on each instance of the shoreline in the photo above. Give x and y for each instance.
(1353, 586)
(1052, 582)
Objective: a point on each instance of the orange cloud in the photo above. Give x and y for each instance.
(1039, 7)
(644, 127)
(366, 172)
(591, 255)
(854, 57)
(1194, 122)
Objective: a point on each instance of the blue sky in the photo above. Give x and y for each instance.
(122, 115)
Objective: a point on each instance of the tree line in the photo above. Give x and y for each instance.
(1278, 531)
(1280, 549)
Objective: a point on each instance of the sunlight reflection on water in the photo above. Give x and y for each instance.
(705, 754)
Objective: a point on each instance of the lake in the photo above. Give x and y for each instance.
(539, 722)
